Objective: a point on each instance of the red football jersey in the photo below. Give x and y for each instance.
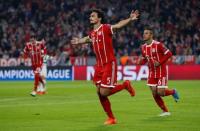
(35, 50)
(156, 51)
(102, 44)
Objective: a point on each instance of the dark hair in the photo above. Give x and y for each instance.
(149, 28)
(100, 14)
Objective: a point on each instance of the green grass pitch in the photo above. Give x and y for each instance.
(74, 106)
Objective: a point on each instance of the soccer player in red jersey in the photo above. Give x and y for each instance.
(155, 54)
(105, 76)
(35, 50)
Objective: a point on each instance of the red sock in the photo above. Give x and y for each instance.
(36, 81)
(106, 105)
(169, 92)
(116, 89)
(160, 102)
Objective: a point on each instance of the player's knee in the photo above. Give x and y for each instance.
(154, 93)
(104, 93)
(160, 93)
(154, 90)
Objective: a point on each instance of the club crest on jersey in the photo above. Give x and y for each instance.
(99, 33)
(153, 50)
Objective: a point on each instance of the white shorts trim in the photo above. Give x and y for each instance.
(162, 86)
(152, 84)
(111, 86)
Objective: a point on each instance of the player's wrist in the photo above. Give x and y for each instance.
(130, 19)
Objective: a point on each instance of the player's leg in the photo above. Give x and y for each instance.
(39, 88)
(152, 83)
(42, 80)
(103, 96)
(36, 83)
(158, 99)
(103, 99)
(163, 89)
(107, 108)
(43, 76)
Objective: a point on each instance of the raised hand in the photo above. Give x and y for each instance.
(134, 15)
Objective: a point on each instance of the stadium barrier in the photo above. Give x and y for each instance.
(83, 61)
(134, 72)
(26, 73)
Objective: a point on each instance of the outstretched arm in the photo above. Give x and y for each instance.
(77, 41)
(133, 16)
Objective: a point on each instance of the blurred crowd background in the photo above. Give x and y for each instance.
(176, 23)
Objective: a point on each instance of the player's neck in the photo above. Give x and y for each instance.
(33, 41)
(96, 26)
(149, 41)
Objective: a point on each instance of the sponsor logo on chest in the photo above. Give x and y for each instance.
(97, 38)
(99, 33)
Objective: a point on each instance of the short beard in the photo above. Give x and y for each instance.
(91, 25)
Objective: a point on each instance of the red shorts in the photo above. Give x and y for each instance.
(106, 75)
(159, 82)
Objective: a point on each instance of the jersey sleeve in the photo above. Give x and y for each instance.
(143, 59)
(108, 29)
(43, 46)
(162, 48)
(166, 53)
(26, 50)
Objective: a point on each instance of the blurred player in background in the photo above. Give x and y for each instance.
(41, 89)
(155, 54)
(35, 50)
(105, 76)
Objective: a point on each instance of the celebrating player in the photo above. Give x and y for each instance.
(156, 55)
(105, 76)
(35, 50)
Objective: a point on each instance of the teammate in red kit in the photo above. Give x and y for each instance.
(155, 54)
(35, 50)
(105, 76)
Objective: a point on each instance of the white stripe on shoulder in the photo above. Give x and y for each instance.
(166, 51)
(156, 42)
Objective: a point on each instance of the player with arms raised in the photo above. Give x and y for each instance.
(105, 76)
(155, 54)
